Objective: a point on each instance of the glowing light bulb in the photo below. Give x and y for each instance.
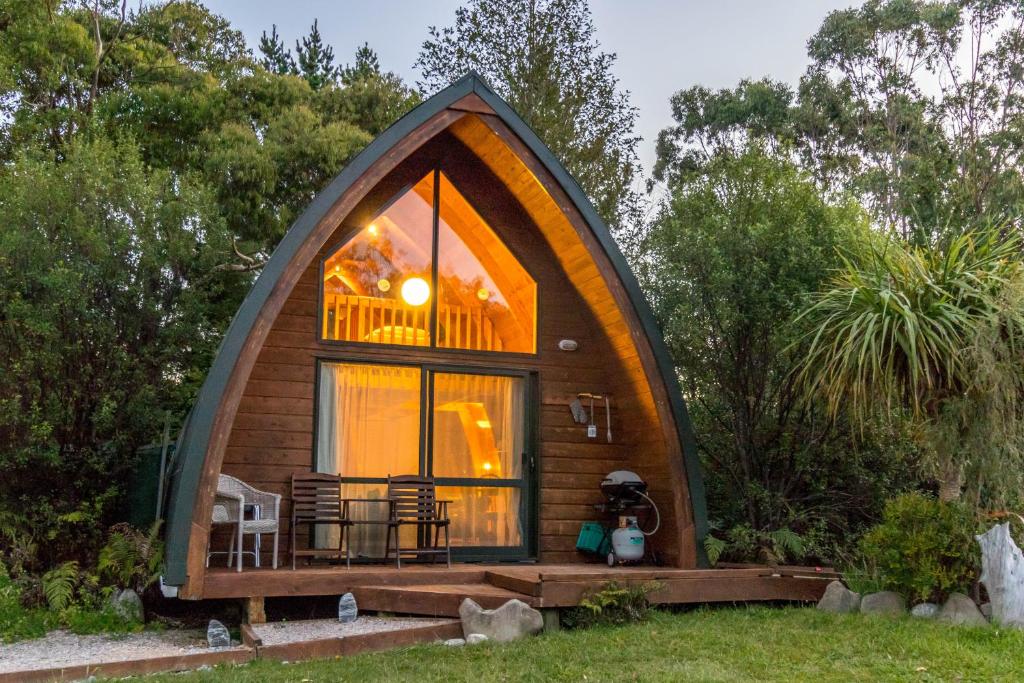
(383, 285)
(372, 229)
(487, 467)
(415, 291)
(483, 294)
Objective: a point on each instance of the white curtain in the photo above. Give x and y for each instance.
(369, 425)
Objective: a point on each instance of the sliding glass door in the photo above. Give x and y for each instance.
(468, 429)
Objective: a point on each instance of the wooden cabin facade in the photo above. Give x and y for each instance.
(411, 322)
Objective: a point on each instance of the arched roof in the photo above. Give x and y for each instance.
(187, 469)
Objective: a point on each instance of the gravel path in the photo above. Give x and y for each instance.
(281, 632)
(62, 648)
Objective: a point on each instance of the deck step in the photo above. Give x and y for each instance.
(436, 600)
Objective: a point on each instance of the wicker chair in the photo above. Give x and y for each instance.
(229, 508)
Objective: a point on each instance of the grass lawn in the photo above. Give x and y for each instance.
(726, 644)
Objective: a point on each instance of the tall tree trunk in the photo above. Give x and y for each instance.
(951, 480)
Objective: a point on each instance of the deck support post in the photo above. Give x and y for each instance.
(552, 622)
(253, 610)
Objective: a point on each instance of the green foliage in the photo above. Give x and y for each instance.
(933, 332)
(131, 558)
(315, 60)
(148, 167)
(612, 604)
(774, 546)
(276, 57)
(923, 548)
(911, 106)
(59, 585)
(731, 256)
(74, 605)
(543, 58)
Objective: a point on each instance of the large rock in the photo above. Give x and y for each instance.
(926, 610)
(511, 621)
(884, 602)
(1002, 572)
(839, 599)
(128, 605)
(960, 609)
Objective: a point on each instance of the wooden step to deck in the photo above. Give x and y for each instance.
(437, 600)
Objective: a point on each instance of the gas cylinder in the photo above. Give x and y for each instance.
(627, 542)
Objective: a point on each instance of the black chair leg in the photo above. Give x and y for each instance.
(448, 546)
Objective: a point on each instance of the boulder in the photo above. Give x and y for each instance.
(884, 602)
(986, 610)
(839, 599)
(348, 611)
(511, 621)
(217, 634)
(455, 642)
(476, 638)
(960, 609)
(926, 610)
(128, 605)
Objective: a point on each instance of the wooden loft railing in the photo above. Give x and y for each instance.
(350, 317)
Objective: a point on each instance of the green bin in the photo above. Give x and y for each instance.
(593, 539)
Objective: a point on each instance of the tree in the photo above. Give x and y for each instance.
(933, 333)
(110, 302)
(141, 191)
(543, 58)
(316, 60)
(727, 261)
(914, 107)
(276, 57)
(374, 98)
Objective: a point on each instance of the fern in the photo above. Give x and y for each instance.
(130, 558)
(59, 585)
(714, 547)
(786, 543)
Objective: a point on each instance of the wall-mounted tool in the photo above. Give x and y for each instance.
(579, 413)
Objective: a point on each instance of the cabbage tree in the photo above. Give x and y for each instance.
(934, 334)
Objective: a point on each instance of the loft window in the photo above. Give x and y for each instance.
(416, 277)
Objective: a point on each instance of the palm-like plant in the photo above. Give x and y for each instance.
(907, 329)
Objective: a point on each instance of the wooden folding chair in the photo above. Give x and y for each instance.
(316, 501)
(413, 502)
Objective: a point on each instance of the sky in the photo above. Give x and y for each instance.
(663, 46)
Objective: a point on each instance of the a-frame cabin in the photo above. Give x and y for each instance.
(420, 318)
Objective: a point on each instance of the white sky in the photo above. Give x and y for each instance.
(663, 46)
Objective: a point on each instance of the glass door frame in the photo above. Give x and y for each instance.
(527, 485)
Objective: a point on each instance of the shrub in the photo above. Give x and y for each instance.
(613, 604)
(132, 558)
(923, 548)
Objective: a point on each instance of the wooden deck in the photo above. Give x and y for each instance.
(435, 590)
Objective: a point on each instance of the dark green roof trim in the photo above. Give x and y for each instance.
(188, 465)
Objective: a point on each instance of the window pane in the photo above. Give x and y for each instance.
(369, 420)
(377, 286)
(478, 426)
(486, 300)
(483, 515)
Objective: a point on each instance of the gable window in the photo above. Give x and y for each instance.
(427, 270)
